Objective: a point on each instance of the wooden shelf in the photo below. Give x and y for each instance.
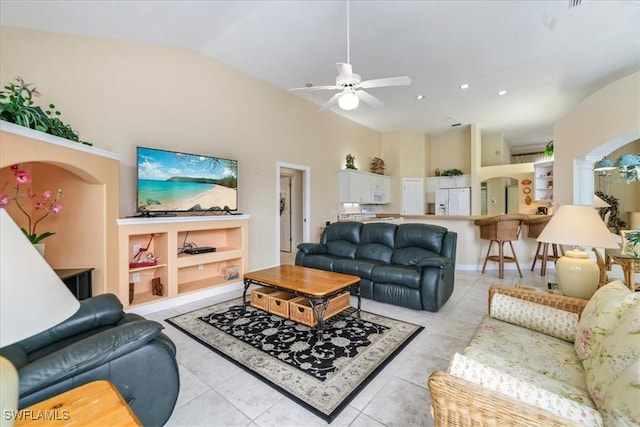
(221, 254)
(145, 298)
(198, 285)
(151, 267)
(543, 182)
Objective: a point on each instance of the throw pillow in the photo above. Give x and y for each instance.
(497, 381)
(548, 320)
(601, 315)
(613, 371)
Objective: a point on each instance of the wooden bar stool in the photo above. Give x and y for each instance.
(534, 228)
(501, 229)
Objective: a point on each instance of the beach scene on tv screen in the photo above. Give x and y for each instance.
(170, 181)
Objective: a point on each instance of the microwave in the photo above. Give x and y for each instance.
(377, 196)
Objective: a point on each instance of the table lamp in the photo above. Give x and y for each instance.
(32, 300)
(577, 225)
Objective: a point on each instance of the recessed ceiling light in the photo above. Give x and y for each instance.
(464, 86)
(502, 92)
(419, 97)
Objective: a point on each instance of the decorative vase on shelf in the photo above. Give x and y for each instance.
(40, 248)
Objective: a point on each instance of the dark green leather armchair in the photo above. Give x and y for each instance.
(411, 265)
(101, 342)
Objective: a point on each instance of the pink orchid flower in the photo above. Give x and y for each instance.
(56, 208)
(22, 177)
(45, 203)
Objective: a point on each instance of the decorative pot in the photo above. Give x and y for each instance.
(40, 248)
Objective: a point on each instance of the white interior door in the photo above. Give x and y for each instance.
(413, 196)
(285, 213)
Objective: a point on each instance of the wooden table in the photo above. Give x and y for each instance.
(318, 286)
(94, 404)
(630, 265)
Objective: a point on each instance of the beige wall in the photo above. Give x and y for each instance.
(119, 95)
(451, 150)
(403, 154)
(493, 148)
(604, 121)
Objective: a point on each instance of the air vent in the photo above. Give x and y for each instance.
(574, 3)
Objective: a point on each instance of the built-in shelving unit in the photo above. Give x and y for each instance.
(178, 272)
(543, 182)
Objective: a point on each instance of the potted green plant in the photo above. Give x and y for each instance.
(350, 162)
(17, 106)
(451, 172)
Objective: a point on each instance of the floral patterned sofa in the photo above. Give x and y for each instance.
(544, 359)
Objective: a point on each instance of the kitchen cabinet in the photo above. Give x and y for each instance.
(364, 187)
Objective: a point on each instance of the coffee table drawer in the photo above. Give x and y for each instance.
(279, 303)
(259, 297)
(300, 311)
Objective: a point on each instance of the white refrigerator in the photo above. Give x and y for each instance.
(453, 201)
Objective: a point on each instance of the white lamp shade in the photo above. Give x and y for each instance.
(598, 203)
(32, 296)
(348, 101)
(577, 225)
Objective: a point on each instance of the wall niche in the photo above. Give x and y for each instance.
(86, 230)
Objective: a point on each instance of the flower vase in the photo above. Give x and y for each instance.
(40, 248)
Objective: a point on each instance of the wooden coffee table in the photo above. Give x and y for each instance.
(318, 286)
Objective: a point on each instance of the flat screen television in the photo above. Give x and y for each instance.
(170, 181)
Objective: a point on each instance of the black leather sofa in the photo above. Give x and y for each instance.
(101, 342)
(410, 265)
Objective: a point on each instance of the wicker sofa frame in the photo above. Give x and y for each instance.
(456, 402)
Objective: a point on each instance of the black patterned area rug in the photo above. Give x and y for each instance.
(323, 377)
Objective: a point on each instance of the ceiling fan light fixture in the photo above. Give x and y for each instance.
(348, 101)
(603, 165)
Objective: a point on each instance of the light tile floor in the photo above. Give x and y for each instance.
(215, 392)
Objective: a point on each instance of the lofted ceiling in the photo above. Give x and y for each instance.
(547, 55)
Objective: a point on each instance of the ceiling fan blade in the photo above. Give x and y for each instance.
(312, 88)
(344, 70)
(369, 99)
(330, 103)
(389, 81)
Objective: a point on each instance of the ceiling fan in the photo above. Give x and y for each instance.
(351, 85)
